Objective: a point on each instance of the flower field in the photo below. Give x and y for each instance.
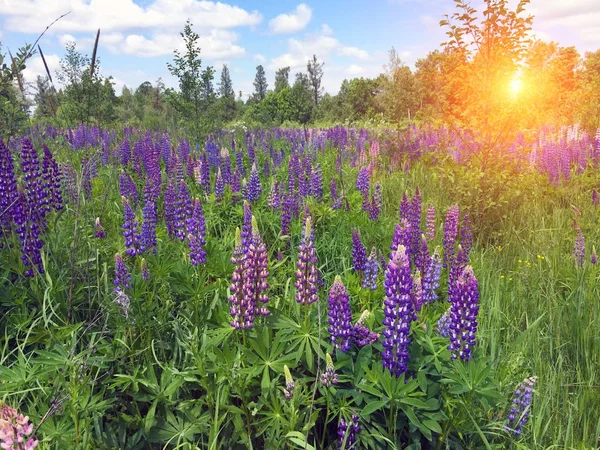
(298, 288)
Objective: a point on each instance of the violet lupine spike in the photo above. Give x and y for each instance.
(405, 207)
(316, 183)
(579, 251)
(127, 187)
(359, 253)
(183, 210)
(288, 391)
(450, 234)
(33, 185)
(329, 377)
(363, 180)
(431, 279)
(347, 433)
(373, 210)
(122, 276)
(204, 173)
(256, 274)
(130, 229)
(273, 200)
(378, 197)
(219, 187)
(457, 266)
(266, 169)
(371, 269)
(361, 334)
(415, 222)
(463, 315)
(246, 226)
(340, 315)
(422, 256)
(466, 236)
(401, 236)
(52, 180)
(8, 190)
(100, 234)
(253, 188)
(171, 209)
(417, 294)
(28, 230)
(239, 309)
(443, 324)
(306, 272)
(144, 270)
(430, 234)
(196, 229)
(225, 165)
(148, 234)
(287, 214)
(15, 430)
(333, 191)
(398, 310)
(521, 406)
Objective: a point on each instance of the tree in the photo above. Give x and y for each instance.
(260, 84)
(301, 99)
(282, 78)
(589, 107)
(315, 76)
(208, 90)
(227, 95)
(399, 96)
(44, 98)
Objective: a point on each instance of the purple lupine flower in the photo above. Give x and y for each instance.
(255, 275)
(371, 269)
(579, 252)
(28, 230)
(8, 190)
(443, 324)
(401, 236)
(398, 310)
(239, 309)
(183, 210)
(404, 208)
(287, 213)
(127, 187)
(130, 229)
(360, 333)
(204, 173)
(122, 276)
(373, 210)
(306, 272)
(253, 188)
(52, 180)
(594, 259)
(219, 187)
(316, 183)
(450, 234)
(246, 226)
(378, 197)
(359, 253)
(266, 169)
(225, 165)
(466, 236)
(422, 256)
(33, 185)
(431, 279)
(196, 231)
(340, 315)
(430, 223)
(363, 180)
(239, 163)
(417, 294)
(288, 391)
(595, 198)
(144, 269)
(347, 433)
(521, 406)
(273, 199)
(171, 209)
(329, 377)
(236, 188)
(463, 315)
(148, 234)
(415, 223)
(100, 234)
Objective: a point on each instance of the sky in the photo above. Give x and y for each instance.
(352, 37)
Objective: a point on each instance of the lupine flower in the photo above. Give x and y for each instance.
(430, 223)
(594, 259)
(28, 230)
(15, 429)
(417, 294)
(100, 234)
(340, 315)
(196, 230)
(422, 256)
(204, 174)
(415, 222)
(360, 333)
(8, 190)
(288, 391)
(52, 180)
(347, 433)
(316, 183)
(378, 197)
(521, 406)
(362, 180)
(127, 187)
(333, 193)
(122, 300)
(273, 199)
(256, 274)
(374, 210)
(33, 185)
(398, 310)
(130, 229)
(246, 226)
(404, 208)
(183, 210)
(144, 269)
(443, 324)
(579, 251)
(401, 236)
(241, 312)
(463, 315)
(306, 272)
(359, 253)
(431, 279)
(253, 188)
(219, 187)
(148, 234)
(286, 213)
(171, 208)
(329, 377)
(371, 269)
(122, 276)
(450, 234)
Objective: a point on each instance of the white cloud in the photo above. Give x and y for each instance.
(119, 15)
(354, 69)
(66, 38)
(354, 52)
(259, 58)
(578, 17)
(291, 22)
(35, 67)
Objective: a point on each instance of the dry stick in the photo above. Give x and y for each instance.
(92, 67)
(40, 36)
(49, 77)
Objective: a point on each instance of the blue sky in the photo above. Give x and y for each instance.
(352, 37)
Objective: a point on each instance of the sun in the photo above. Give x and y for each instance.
(515, 85)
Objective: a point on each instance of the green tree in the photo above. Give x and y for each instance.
(282, 78)
(399, 97)
(589, 106)
(260, 84)
(13, 102)
(44, 98)
(208, 91)
(227, 95)
(315, 76)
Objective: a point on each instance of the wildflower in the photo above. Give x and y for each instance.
(371, 269)
(253, 188)
(241, 312)
(306, 273)
(417, 294)
(246, 234)
(359, 253)
(362, 181)
(431, 278)
(443, 324)
(15, 429)
(196, 229)
(422, 255)
(466, 236)
(170, 208)
(130, 229)
(273, 199)
(144, 267)
(122, 300)
(463, 315)
(219, 187)
(122, 276)
(579, 251)
(450, 234)
(148, 234)
(398, 310)
(52, 179)
(414, 219)
(401, 236)
(100, 234)
(340, 315)
(255, 275)
(329, 377)
(430, 223)
(316, 182)
(404, 207)
(288, 391)
(521, 406)
(360, 333)
(347, 433)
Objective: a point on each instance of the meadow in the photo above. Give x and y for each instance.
(289, 288)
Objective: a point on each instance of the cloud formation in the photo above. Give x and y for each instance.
(291, 22)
